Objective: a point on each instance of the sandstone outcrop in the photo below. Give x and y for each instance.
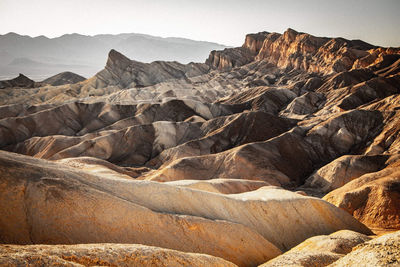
(221, 185)
(372, 198)
(43, 195)
(235, 57)
(102, 255)
(343, 170)
(381, 251)
(229, 58)
(294, 50)
(320, 250)
(45, 202)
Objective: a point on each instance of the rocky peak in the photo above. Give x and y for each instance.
(22, 78)
(254, 41)
(290, 35)
(117, 60)
(20, 81)
(235, 57)
(122, 72)
(229, 58)
(295, 50)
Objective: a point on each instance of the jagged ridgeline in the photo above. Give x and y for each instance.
(283, 151)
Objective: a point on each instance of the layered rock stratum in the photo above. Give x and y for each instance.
(284, 151)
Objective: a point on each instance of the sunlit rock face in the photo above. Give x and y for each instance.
(103, 254)
(343, 170)
(320, 250)
(284, 152)
(382, 251)
(235, 57)
(51, 203)
(372, 198)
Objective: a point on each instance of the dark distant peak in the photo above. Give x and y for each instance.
(23, 78)
(62, 78)
(116, 59)
(23, 81)
(20, 81)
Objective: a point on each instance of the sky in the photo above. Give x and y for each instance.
(221, 21)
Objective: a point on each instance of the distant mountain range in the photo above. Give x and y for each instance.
(41, 57)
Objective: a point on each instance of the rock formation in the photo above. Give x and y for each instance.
(235, 57)
(126, 73)
(372, 198)
(382, 251)
(320, 250)
(239, 209)
(343, 170)
(19, 82)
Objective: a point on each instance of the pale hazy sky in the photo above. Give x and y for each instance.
(223, 21)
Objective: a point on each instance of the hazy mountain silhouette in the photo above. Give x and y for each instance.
(40, 57)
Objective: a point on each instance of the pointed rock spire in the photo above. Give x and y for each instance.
(116, 60)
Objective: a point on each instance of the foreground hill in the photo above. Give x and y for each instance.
(283, 142)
